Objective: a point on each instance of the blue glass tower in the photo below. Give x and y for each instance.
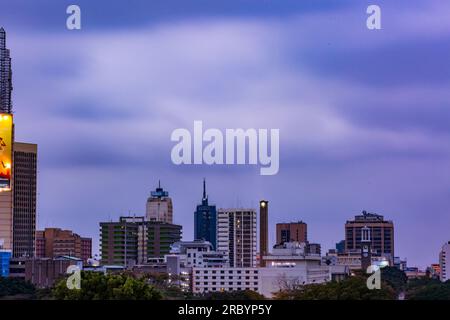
(205, 224)
(5, 258)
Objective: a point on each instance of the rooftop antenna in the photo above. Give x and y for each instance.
(204, 189)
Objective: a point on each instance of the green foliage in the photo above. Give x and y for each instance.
(353, 288)
(231, 295)
(395, 278)
(15, 286)
(428, 289)
(97, 286)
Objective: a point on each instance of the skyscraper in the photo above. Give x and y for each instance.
(24, 195)
(5, 75)
(381, 232)
(159, 206)
(294, 231)
(205, 220)
(263, 230)
(6, 140)
(236, 235)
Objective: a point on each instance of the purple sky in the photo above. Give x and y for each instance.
(363, 115)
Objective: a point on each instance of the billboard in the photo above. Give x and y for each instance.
(6, 124)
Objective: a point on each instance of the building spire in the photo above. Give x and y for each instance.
(204, 188)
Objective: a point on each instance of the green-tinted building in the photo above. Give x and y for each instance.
(133, 240)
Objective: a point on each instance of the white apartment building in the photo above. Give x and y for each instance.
(236, 236)
(198, 253)
(444, 262)
(286, 268)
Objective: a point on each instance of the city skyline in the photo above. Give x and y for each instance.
(377, 140)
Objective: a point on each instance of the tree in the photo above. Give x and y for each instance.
(353, 288)
(97, 286)
(428, 289)
(396, 278)
(15, 286)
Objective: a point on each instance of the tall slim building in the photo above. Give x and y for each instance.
(263, 230)
(159, 206)
(444, 262)
(5, 75)
(381, 231)
(18, 171)
(236, 235)
(205, 220)
(24, 196)
(6, 139)
(292, 232)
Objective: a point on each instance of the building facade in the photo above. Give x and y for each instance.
(444, 262)
(24, 199)
(159, 206)
(134, 240)
(55, 242)
(205, 220)
(199, 253)
(236, 236)
(382, 235)
(292, 232)
(5, 259)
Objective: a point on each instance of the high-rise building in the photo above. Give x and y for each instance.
(205, 220)
(24, 197)
(263, 230)
(54, 242)
(133, 240)
(18, 171)
(119, 241)
(381, 232)
(444, 262)
(6, 140)
(292, 232)
(159, 206)
(236, 235)
(5, 75)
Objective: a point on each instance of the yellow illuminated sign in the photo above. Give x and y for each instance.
(6, 125)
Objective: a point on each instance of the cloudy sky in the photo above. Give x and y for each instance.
(363, 115)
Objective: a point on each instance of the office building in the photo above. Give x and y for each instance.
(205, 220)
(224, 279)
(340, 247)
(155, 239)
(24, 198)
(263, 230)
(6, 141)
(5, 75)
(236, 236)
(159, 206)
(55, 242)
(444, 262)
(292, 232)
(133, 240)
(381, 231)
(17, 172)
(119, 241)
